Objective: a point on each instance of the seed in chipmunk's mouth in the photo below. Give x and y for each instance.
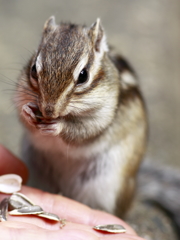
(36, 111)
(38, 114)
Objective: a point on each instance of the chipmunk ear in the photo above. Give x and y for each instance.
(50, 25)
(98, 37)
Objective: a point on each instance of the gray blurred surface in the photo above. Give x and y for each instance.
(146, 32)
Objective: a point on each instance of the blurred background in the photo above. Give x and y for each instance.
(146, 32)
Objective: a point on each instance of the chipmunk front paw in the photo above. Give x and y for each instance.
(28, 113)
(32, 116)
(49, 128)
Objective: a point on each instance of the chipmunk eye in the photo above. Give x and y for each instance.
(34, 72)
(83, 76)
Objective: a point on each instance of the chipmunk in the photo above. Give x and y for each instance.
(85, 118)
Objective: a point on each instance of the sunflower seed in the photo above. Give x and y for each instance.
(18, 200)
(112, 228)
(10, 183)
(3, 210)
(49, 216)
(27, 210)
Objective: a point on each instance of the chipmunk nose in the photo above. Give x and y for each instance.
(49, 110)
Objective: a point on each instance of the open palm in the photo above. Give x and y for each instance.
(80, 218)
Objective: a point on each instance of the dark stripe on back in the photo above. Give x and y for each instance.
(128, 95)
(122, 64)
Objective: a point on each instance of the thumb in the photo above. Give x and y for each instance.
(11, 164)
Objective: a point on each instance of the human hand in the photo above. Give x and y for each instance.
(11, 164)
(80, 218)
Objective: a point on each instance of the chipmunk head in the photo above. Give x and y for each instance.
(67, 65)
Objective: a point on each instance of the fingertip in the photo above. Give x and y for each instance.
(11, 164)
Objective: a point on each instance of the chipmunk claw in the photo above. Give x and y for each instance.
(49, 128)
(28, 113)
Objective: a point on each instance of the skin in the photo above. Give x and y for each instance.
(11, 164)
(80, 217)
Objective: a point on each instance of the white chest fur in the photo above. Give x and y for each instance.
(85, 173)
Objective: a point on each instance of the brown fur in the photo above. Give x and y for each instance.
(104, 112)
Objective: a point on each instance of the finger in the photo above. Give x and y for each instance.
(101, 235)
(10, 230)
(36, 223)
(72, 210)
(11, 164)
(14, 230)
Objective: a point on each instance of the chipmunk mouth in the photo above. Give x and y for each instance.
(38, 114)
(39, 118)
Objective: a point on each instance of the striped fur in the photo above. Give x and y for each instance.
(90, 137)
